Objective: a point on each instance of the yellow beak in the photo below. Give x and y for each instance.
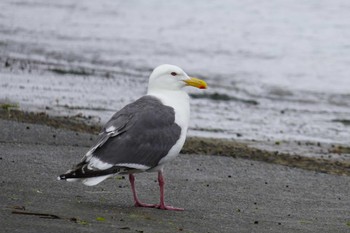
(196, 82)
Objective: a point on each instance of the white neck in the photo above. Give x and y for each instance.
(177, 99)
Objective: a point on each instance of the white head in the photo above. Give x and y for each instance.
(170, 77)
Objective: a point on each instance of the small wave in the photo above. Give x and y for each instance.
(223, 97)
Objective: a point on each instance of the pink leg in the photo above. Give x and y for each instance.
(138, 203)
(162, 205)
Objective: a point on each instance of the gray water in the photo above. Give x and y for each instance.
(276, 70)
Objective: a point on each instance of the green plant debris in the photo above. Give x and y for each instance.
(14, 197)
(305, 222)
(9, 106)
(100, 219)
(82, 222)
(340, 150)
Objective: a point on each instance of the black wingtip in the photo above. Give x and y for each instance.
(84, 172)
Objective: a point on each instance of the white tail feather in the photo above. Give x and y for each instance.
(95, 180)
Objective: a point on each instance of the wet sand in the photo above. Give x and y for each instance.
(200, 145)
(219, 193)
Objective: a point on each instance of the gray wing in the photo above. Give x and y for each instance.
(141, 133)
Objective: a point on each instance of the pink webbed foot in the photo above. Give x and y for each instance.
(168, 207)
(157, 206)
(140, 204)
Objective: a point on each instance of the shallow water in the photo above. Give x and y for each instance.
(277, 70)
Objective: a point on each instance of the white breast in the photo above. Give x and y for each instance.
(179, 101)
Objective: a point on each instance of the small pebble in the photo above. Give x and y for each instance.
(7, 64)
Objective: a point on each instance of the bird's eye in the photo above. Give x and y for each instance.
(173, 73)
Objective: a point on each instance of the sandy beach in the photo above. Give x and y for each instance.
(219, 193)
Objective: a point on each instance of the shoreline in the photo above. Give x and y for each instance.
(195, 145)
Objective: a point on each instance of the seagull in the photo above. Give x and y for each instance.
(143, 136)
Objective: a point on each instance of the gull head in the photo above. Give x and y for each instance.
(170, 77)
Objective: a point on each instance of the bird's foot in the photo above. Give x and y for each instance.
(157, 206)
(168, 207)
(140, 204)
